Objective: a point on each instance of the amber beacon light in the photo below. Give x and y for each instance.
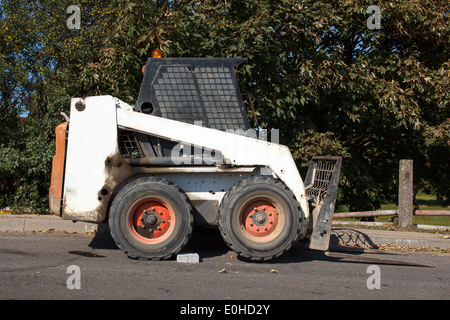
(157, 54)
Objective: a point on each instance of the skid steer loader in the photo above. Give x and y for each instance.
(178, 159)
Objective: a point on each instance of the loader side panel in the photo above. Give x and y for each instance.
(91, 154)
(58, 166)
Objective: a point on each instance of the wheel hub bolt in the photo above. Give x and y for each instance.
(151, 219)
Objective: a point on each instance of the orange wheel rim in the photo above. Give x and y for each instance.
(261, 219)
(151, 220)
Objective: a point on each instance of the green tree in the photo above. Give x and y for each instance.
(315, 71)
(372, 96)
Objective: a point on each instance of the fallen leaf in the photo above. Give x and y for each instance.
(223, 270)
(274, 271)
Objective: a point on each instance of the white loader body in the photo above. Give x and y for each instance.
(184, 155)
(92, 146)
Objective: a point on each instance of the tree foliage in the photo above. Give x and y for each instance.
(315, 71)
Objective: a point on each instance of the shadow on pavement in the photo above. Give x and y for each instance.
(208, 243)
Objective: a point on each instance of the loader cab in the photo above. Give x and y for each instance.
(192, 90)
(200, 91)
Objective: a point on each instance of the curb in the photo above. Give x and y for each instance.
(44, 223)
(347, 235)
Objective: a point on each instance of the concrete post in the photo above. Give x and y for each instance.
(405, 194)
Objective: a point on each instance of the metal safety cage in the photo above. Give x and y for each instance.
(321, 185)
(191, 90)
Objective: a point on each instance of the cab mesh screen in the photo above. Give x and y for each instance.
(194, 90)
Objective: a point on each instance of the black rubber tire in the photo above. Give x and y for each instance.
(233, 220)
(141, 190)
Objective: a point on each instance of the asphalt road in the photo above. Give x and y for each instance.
(45, 265)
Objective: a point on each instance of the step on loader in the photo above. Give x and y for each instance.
(185, 155)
